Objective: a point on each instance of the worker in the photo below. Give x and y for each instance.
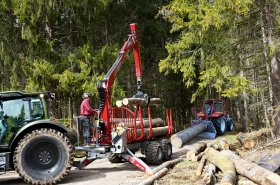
(86, 112)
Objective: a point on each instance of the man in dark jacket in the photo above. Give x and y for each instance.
(86, 112)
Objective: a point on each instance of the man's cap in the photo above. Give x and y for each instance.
(86, 95)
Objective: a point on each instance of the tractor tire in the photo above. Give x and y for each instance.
(114, 158)
(43, 156)
(154, 153)
(166, 149)
(230, 125)
(220, 125)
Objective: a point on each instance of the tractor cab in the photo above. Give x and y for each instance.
(211, 108)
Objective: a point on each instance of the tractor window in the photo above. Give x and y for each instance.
(219, 107)
(207, 108)
(18, 110)
(37, 110)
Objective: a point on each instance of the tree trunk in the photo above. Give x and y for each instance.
(186, 135)
(224, 163)
(140, 101)
(245, 141)
(158, 131)
(252, 171)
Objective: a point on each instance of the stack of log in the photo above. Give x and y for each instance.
(158, 127)
(218, 156)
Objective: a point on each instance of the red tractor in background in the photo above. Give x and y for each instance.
(213, 110)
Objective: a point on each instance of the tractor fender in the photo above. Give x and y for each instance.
(33, 126)
(217, 114)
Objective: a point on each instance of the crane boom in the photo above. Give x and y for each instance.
(105, 86)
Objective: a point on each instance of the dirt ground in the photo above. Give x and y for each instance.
(102, 172)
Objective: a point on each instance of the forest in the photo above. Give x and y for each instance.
(191, 50)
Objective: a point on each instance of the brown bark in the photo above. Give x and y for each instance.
(157, 122)
(197, 148)
(158, 131)
(200, 166)
(252, 171)
(224, 163)
(186, 135)
(154, 177)
(245, 141)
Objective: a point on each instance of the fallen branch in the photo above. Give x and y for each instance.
(168, 164)
(252, 171)
(200, 166)
(154, 177)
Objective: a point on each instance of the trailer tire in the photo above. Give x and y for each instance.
(114, 158)
(43, 156)
(220, 125)
(166, 149)
(154, 153)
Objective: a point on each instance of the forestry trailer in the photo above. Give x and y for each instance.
(40, 151)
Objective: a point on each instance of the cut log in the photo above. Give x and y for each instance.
(200, 166)
(224, 163)
(140, 101)
(157, 122)
(252, 171)
(154, 177)
(220, 145)
(245, 141)
(209, 174)
(119, 103)
(158, 131)
(167, 164)
(197, 148)
(180, 139)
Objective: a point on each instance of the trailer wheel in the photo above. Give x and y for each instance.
(154, 153)
(220, 125)
(43, 156)
(166, 149)
(114, 158)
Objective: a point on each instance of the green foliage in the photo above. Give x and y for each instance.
(204, 49)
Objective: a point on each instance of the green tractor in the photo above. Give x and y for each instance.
(30, 143)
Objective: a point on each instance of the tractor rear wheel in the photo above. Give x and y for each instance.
(154, 153)
(43, 156)
(230, 125)
(114, 158)
(166, 149)
(220, 125)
